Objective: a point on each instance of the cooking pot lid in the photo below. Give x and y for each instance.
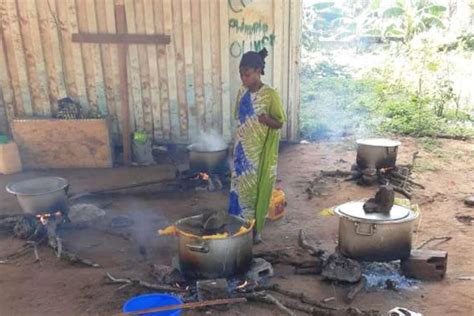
(356, 210)
(383, 142)
(37, 186)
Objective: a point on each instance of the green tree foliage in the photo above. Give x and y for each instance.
(411, 90)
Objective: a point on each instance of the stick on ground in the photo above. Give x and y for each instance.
(263, 297)
(275, 301)
(356, 290)
(443, 238)
(157, 287)
(74, 258)
(307, 309)
(336, 173)
(402, 191)
(35, 250)
(19, 252)
(54, 241)
(406, 178)
(59, 249)
(299, 296)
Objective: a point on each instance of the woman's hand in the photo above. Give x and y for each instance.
(269, 121)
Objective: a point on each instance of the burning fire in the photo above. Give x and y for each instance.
(44, 217)
(385, 170)
(204, 176)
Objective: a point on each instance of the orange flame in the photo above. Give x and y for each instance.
(385, 170)
(204, 176)
(44, 217)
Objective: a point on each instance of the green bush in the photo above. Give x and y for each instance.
(457, 115)
(335, 106)
(410, 88)
(408, 114)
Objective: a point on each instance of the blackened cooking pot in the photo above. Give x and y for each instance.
(202, 159)
(201, 258)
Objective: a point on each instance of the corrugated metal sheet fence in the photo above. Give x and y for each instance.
(175, 90)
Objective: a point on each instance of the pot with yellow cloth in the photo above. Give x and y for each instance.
(219, 255)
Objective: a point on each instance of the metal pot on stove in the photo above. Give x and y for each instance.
(377, 153)
(41, 195)
(375, 236)
(210, 258)
(209, 160)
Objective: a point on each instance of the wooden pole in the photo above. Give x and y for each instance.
(121, 25)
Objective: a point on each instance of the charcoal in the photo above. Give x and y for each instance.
(166, 274)
(25, 227)
(212, 289)
(469, 201)
(383, 201)
(342, 269)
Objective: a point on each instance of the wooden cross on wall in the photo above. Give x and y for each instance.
(123, 39)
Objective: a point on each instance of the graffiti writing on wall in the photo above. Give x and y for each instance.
(248, 28)
(238, 48)
(256, 36)
(239, 6)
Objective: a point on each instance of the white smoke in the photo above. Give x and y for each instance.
(209, 141)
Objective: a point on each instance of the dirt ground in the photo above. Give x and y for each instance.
(53, 287)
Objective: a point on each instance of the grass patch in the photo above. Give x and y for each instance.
(425, 165)
(430, 144)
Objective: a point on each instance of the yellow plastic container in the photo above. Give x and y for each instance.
(276, 209)
(9, 158)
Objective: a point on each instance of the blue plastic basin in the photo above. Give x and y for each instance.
(148, 301)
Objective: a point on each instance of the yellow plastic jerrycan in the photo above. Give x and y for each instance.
(277, 205)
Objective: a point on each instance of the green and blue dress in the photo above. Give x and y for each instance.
(255, 153)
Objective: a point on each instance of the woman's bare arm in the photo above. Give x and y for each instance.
(269, 121)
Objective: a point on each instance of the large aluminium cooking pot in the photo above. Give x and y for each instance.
(201, 258)
(203, 159)
(375, 236)
(41, 195)
(376, 153)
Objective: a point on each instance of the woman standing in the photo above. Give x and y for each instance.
(260, 116)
